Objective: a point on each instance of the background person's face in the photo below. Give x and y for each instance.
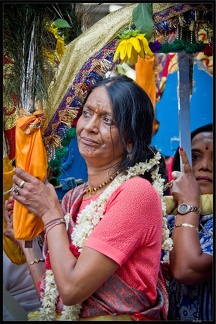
(202, 161)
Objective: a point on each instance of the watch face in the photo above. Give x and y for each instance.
(183, 208)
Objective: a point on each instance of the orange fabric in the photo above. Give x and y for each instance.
(30, 156)
(12, 250)
(145, 76)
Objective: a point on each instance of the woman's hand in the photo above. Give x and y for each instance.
(8, 217)
(38, 197)
(185, 188)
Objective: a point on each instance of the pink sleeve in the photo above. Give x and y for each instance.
(133, 217)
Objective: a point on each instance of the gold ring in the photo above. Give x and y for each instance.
(168, 185)
(21, 184)
(171, 183)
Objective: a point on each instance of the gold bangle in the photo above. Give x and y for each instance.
(36, 261)
(186, 225)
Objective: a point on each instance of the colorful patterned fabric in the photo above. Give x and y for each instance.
(94, 69)
(194, 302)
(125, 300)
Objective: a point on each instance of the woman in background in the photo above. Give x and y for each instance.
(191, 260)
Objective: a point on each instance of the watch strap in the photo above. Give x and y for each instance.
(195, 209)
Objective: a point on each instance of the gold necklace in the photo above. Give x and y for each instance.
(103, 184)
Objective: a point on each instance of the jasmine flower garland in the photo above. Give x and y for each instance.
(47, 312)
(89, 217)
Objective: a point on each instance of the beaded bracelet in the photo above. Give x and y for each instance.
(186, 225)
(36, 261)
(48, 228)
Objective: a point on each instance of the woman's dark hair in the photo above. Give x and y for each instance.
(133, 114)
(176, 158)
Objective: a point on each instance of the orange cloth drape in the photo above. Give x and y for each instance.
(30, 156)
(12, 250)
(145, 77)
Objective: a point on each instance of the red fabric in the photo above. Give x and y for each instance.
(169, 168)
(10, 136)
(141, 221)
(74, 250)
(47, 262)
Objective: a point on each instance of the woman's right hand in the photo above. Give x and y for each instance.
(38, 197)
(185, 188)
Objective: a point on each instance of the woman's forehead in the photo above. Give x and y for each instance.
(204, 137)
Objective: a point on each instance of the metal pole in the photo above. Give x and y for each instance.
(184, 94)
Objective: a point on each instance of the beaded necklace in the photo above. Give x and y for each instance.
(103, 184)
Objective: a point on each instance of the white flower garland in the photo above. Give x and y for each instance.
(86, 222)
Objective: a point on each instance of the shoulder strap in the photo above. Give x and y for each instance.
(13, 306)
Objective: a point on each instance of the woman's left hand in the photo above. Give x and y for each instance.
(8, 217)
(36, 196)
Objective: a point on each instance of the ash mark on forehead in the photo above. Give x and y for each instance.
(207, 137)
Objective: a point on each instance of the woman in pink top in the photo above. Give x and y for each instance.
(102, 245)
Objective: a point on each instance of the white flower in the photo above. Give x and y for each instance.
(166, 258)
(67, 218)
(71, 313)
(167, 244)
(47, 312)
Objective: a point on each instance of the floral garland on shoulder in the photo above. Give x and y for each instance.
(89, 217)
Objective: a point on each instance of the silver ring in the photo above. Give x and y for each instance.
(21, 184)
(16, 190)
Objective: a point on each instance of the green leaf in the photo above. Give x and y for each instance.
(61, 23)
(142, 19)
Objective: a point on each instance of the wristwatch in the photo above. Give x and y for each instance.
(185, 208)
